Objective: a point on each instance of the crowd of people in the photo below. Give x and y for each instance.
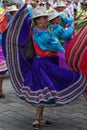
(45, 52)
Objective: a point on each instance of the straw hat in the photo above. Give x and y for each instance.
(12, 8)
(53, 14)
(60, 4)
(39, 11)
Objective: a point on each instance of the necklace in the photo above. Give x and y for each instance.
(41, 27)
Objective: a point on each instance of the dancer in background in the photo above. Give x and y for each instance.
(76, 52)
(3, 66)
(64, 35)
(64, 19)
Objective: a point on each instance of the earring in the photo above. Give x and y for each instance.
(40, 25)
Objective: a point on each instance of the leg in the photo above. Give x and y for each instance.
(38, 116)
(42, 120)
(41, 115)
(85, 94)
(1, 90)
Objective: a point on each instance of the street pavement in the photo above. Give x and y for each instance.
(16, 114)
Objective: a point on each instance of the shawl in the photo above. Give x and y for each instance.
(3, 20)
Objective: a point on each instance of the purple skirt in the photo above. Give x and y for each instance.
(39, 81)
(47, 84)
(62, 60)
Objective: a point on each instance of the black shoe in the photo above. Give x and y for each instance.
(2, 96)
(48, 123)
(36, 126)
(45, 122)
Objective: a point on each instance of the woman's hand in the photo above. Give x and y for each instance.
(75, 23)
(31, 2)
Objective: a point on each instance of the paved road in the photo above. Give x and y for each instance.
(16, 114)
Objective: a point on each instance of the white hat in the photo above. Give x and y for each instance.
(60, 4)
(53, 14)
(43, 3)
(12, 8)
(39, 11)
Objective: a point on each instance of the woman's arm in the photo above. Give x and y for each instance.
(46, 41)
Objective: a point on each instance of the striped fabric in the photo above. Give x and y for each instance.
(80, 25)
(76, 53)
(3, 20)
(10, 43)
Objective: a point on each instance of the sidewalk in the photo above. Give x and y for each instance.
(16, 114)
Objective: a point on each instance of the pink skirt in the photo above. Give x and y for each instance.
(3, 66)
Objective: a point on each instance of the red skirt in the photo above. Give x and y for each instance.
(76, 53)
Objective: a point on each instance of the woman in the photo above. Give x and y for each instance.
(57, 30)
(64, 35)
(38, 79)
(3, 66)
(64, 19)
(76, 52)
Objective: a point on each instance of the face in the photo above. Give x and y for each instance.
(56, 20)
(42, 21)
(13, 13)
(77, 1)
(60, 8)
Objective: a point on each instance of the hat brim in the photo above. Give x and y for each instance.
(40, 16)
(12, 10)
(60, 6)
(55, 16)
